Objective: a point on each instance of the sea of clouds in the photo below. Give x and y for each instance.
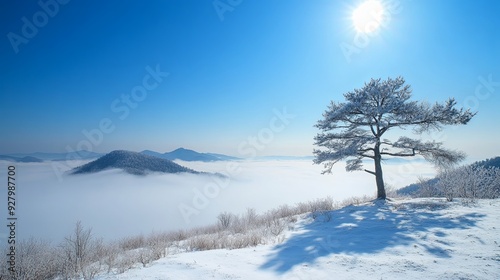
(115, 204)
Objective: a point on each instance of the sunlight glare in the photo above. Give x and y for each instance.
(367, 17)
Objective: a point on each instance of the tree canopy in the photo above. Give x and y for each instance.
(354, 129)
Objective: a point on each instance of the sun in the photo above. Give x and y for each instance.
(367, 17)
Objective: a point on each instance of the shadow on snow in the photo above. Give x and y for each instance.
(370, 229)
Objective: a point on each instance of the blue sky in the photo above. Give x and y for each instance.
(230, 71)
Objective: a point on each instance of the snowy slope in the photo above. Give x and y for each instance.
(412, 239)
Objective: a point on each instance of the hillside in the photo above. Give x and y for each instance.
(492, 162)
(131, 162)
(410, 239)
(414, 189)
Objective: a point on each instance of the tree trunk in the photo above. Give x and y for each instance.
(379, 178)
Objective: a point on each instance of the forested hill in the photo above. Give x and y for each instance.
(492, 162)
(415, 188)
(133, 163)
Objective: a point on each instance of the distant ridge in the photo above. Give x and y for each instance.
(58, 156)
(223, 157)
(189, 155)
(20, 159)
(282, 158)
(133, 163)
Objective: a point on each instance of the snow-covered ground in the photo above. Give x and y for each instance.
(405, 239)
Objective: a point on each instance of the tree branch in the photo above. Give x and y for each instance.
(369, 171)
(349, 128)
(399, 154)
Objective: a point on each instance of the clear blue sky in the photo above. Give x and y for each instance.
(228, 72)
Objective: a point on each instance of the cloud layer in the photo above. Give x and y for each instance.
(116, 204)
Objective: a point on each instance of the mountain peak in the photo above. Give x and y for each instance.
(181, 149)
(131, 162)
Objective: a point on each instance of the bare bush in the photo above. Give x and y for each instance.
(428, 188)
(110, 254)
(207, 242)
(65, 269)
(4, 270)
(158, 243)
(356, 200)
(392, 192)
(448, 182)
(224, 240)
(178, 235)
(126, 261)
(320, 205)
(35, 260)
(145, 256)
(96, 260)
(254, 239)
(91, 270)
(224, 220)
(251, 218)
(249, 239)
(273, 222)
(302, 207)
(131, 243)
(470, 183)
(284, 211)
(239, 225)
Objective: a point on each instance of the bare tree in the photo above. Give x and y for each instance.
(78, 252)
(355, 129)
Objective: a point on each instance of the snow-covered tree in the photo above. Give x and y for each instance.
(354, 130)
(470, 182)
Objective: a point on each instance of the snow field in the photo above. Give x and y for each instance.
(400, 239)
